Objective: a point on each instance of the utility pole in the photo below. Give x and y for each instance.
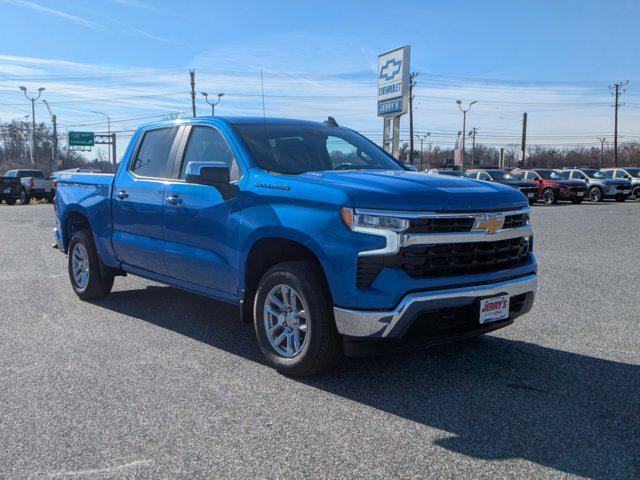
(616, 92)
(464, 123)
(192, 76)
(109, 135)
(524, 139)
(33, 121)
(213, 104)
(602, 140)
(412, 83)
(472, 134)
(54, 144)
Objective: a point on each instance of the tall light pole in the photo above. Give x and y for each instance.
(464, 122)
(33, 121)
(472, 134)
(54, 144)
(421, 138)
(110, 139)
(602, 140)
(213, 104)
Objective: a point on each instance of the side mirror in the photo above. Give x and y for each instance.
(214, 174)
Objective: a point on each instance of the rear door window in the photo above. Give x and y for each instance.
(153, 156)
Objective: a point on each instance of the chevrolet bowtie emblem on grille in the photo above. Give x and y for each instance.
(490, 223)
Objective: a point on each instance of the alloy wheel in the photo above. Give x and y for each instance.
(285, 320)
(80, 265)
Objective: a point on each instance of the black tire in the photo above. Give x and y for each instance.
(595, 194)
(636, 193)
(322, 345)
(549, 196)
(24, 197)
(577, 201)
(97, 285)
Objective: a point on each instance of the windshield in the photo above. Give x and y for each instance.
(593, 173)
(549, 175)
(634, 172)
(297, 148)
(500, 175)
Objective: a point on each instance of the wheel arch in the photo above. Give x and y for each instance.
(263, 254)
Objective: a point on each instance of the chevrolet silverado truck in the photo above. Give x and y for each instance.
(327, 243)
(32, 185)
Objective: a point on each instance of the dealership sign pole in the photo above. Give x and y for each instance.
(393, 94)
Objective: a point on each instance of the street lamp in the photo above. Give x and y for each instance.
(110, 139)
(464, 122)
(422, 138)
(54, 144)
(213, 105)
(33, 121)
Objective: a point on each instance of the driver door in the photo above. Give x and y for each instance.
(199, 236)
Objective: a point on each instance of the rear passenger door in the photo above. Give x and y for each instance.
(138, 200)
(200, 243)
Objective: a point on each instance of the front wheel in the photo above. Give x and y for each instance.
(636, 193)
(293, 319)
(549, 196)
(595, 194)
(84, 268)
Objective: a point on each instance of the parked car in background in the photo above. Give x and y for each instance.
(501, 176)
(324, 241)
(601, 185)
(10, 188)
(447, 171)
(552, 186)
(627, 173)
(32, 185)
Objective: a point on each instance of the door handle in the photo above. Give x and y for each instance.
(174, 200)
(122, 195)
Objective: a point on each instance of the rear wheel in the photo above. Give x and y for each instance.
(24, 197)
(84, 268)
(549, 196)
(595, 194)
(293, 319)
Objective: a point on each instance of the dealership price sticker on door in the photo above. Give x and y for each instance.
(494, 309)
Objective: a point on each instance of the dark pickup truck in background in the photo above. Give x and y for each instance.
(30, 183)
(10, 188)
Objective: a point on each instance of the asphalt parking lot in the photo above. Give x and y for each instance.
(152, 382)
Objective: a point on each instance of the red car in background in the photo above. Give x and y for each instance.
(552, 186)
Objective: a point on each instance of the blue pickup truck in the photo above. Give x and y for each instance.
(327, 243)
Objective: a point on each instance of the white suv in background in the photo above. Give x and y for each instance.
(627, 173)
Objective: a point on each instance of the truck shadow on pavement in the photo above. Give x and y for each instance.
(497, 398)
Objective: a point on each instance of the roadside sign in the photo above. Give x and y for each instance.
(81, 139)
(393, 82)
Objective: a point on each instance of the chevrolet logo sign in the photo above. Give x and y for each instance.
(490, 223)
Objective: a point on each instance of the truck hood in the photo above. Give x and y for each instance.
(413, 191)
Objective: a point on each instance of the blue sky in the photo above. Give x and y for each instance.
(552, 59)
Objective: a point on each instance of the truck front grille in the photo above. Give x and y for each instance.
(446, 259)
(452, 224)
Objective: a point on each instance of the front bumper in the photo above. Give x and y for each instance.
(392, 324)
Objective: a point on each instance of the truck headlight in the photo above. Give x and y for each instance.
(357, 221)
